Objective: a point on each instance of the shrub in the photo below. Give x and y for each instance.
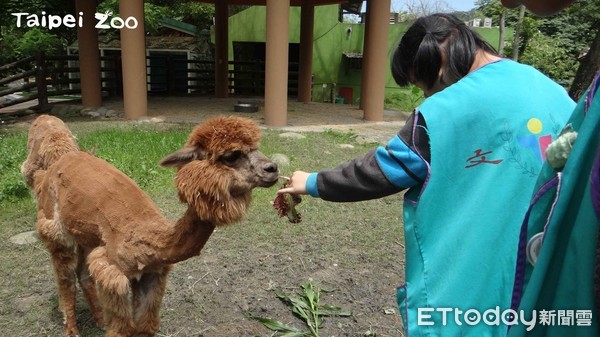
(551, 58)
(35, 40)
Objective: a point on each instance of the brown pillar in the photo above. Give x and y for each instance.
(221, 49)
(276, 76)
(375, 65)
(89, 56)
(306, 52)
(364, 75)
(133, 60)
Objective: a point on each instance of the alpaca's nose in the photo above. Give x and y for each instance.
(271, 168)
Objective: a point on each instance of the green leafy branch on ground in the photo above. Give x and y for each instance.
(307, 307)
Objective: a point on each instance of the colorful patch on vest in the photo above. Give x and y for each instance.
(534, 137)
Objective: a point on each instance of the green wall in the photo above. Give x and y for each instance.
(330, 39)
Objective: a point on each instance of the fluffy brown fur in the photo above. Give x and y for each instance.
(90, 211)
(49, 138)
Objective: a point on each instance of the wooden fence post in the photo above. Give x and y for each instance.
(40, 80)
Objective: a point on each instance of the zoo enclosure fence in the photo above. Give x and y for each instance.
(42, 76)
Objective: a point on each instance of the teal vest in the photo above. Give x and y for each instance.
(562, 280)
(488, 133)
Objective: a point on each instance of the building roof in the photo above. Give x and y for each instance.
(179, 26)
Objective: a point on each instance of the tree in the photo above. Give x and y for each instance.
(578, 27)
(588, 65)
(572, 33)
(517, 38)
(55, 7)
(501, 31)
(12, 44)
(495, 10)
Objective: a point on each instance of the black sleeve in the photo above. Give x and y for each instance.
(362, 178)
(356, 180)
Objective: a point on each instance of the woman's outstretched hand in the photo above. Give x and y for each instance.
(296, 184)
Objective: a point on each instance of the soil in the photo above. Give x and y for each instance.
(301, 116)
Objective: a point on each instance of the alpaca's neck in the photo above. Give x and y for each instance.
(187, 239)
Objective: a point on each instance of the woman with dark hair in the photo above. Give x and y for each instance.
(469, 156)
(439, 50)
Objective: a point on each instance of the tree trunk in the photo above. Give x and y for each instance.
(501, 32)
(517, 40)
(588, 66)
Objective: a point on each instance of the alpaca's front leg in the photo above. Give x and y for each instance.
(114, 292)
(88, 286)
(64, 262)
(147, 298)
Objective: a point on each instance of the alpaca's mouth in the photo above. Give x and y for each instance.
(269, 181)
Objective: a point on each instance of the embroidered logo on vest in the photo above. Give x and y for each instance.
(532, 139)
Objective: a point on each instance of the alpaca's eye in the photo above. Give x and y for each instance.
(231, 158)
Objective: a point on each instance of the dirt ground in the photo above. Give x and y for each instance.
(215, 294)
(301, 116)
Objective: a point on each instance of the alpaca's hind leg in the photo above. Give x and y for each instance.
(88, 286)
(114, 292)
(147, 298)
(64, 261)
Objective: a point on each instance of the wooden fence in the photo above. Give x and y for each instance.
(43, 76)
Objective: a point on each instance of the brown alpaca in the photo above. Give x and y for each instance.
(89, 210)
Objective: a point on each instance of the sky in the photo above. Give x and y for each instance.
(459, 5)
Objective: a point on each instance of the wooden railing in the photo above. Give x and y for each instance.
(48, 76)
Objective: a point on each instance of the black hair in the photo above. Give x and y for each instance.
(418, 56)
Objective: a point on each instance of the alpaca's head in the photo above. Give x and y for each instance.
(48, 140)
(218, 168)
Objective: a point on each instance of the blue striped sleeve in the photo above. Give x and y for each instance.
(400, 164)
(311, 185)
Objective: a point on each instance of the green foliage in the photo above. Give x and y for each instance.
(307, 307)
(529, 28)
(406, 100)
(54, 7)
(553, 44)
(494, 8)
(8, 40)
(550, 57)
(490, 8)
(198, 14)
(195, 13)
(576, 25)
(35, 40)
(153, 14)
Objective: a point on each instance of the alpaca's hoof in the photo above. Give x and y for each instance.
(72, 333)
(100, 323)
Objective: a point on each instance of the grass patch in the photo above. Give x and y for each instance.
(12, 155)
(136, 150)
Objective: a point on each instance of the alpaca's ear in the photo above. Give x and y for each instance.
(182, 157)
